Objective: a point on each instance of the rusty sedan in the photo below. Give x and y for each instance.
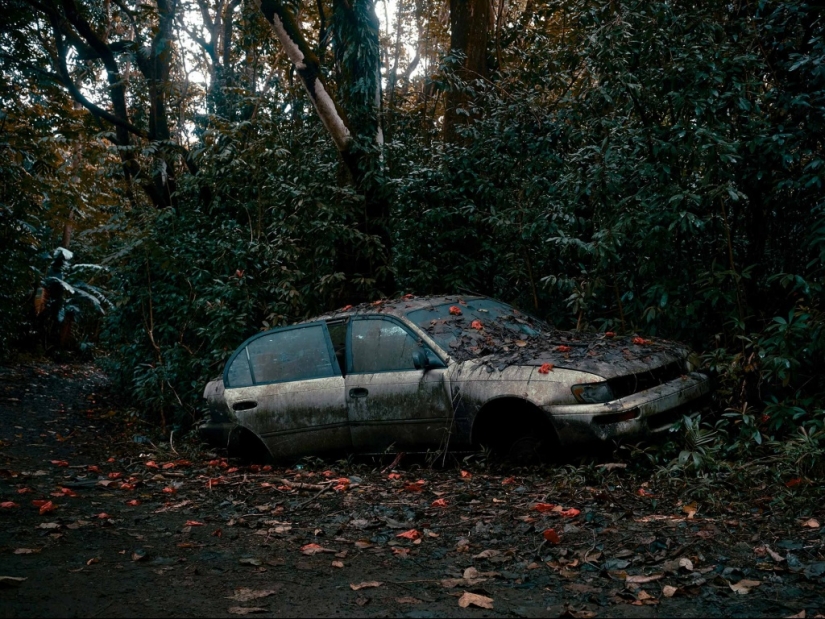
(434, 373)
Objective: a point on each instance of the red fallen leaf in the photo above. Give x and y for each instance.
(210, 463)
(267, 468)
(115, 475)
(234, 469)
(455, 310)
(546, 368)
(103, 516)
(127, 486)
(8, 505)
(217, 533)
(792, 483)
(93, 468)
(133, 502)
(378, 302)
(168, 465)
(412, 534)
(551, 536)
(69, 492)
(341, 488)
(110, 460)
(254, 467)
(62, 463)
(408, 296)
(439, 503)
(169, 490)
(39, 502)
(194, 523)
(312, 549)
(417, 486)
(640, 341)
(609, 334)
(476, 324)
(508, 481)
(563, 348)
(346, 308)
(570, 513)
(466, 475)
(213, 482)
(152, 465)
(394, 476)
(643, 492)
(47, 507)
(343, 480)
(24, 490)
(285, 488)
(544, 507)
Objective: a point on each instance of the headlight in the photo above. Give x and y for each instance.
(693, 362)
(592, 393)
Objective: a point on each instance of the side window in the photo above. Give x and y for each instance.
(295, 354)
(380, 345)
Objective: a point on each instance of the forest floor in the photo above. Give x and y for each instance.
(98, 520)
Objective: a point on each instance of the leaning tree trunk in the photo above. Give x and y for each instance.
(354, 125)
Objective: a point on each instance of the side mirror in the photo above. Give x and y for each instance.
(420, 360)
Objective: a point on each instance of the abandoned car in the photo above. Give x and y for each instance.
(430, 373)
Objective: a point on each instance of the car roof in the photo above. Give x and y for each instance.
(397, 307)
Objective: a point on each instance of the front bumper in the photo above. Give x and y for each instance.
(642, 414)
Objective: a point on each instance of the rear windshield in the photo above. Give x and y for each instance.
(447, 327)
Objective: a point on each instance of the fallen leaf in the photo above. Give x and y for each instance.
(474, 599)
(690, 509)
(412, 534)
(642, 579)
(455, 311)
(27, 551)
(487, 554)
(47, 507)
(48, 526)
(609, 334)
(133, 502)
(439, 503)
(314, 549)
(24, 490)
(669, 591)
(338, 564)
(792, 483)
(744, 586)
(370, 584)
(686, 563)
(544, 507)
(93, 560)
(169, 490)
(11, 581)
(103, 516)
(545, 368)
(250, 561)
(476, 324)
(246, 610)
(408, 600)
(394, 476)
(570, 513)
(551, 536)
(8, 505)
(811, 523)
(194, 523)
(93, 469)
(60, 463)
(466, 475)
(115, 475)
(245, 594)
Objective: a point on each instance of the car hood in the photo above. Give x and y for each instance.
(600, 354)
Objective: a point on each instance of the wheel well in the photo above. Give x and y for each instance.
(503, 420)
(248, 446)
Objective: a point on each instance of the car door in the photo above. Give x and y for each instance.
(389, 400)
(286, 386)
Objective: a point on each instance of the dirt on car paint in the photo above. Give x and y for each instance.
(100, 518)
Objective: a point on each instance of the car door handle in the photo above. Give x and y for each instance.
(244, 405)
(358, 392)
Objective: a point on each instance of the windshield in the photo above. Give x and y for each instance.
(447, 322)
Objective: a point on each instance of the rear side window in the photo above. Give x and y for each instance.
(380, 345)
(279, 356)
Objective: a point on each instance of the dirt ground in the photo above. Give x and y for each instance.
(99, 520)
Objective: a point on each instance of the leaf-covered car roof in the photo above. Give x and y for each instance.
(475, 327)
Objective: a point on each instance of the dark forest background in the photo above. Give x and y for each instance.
(637, 166)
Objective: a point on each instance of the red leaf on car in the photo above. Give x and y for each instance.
(455, 310)
(546, 368)
(476, 324)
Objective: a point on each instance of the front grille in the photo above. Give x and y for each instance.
(634, 383)
(667, 418)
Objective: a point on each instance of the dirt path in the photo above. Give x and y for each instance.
(138, 530)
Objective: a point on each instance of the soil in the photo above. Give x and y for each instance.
(138, 527)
